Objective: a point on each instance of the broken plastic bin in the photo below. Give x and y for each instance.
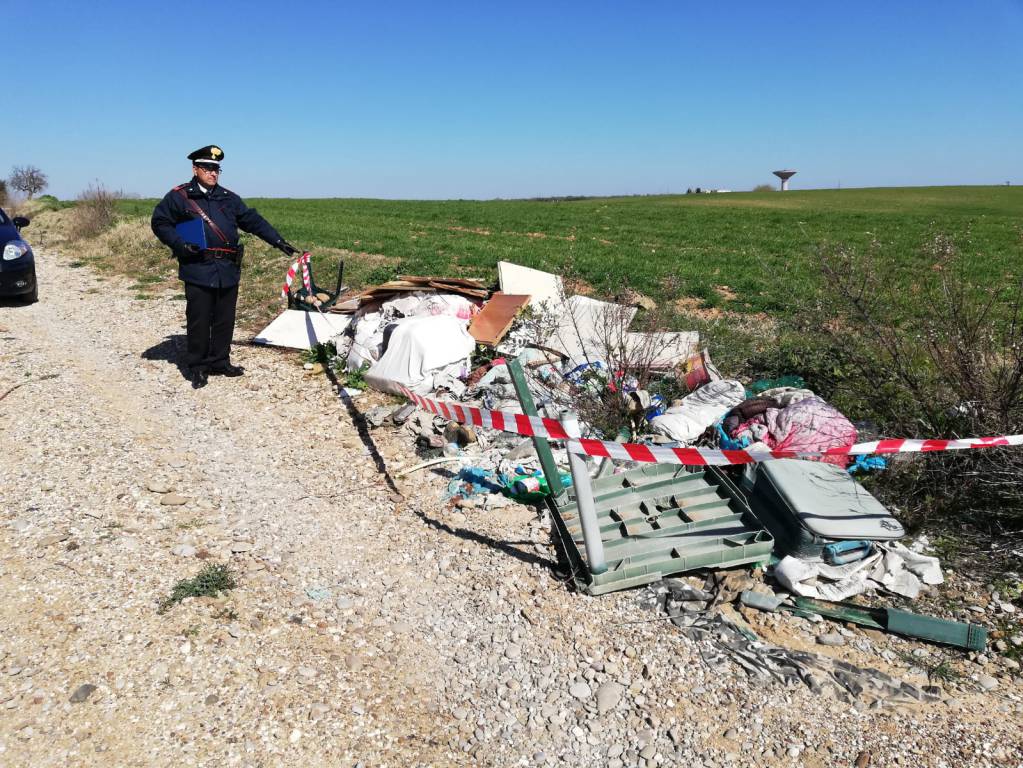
(653, 521)
(660, 520)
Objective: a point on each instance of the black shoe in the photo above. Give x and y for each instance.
(200, 379)
(228, 370)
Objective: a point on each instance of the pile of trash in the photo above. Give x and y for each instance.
(451, 339)
(809, 540)
(819, 535)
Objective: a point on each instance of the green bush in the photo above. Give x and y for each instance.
(943, 360)
(48, 203)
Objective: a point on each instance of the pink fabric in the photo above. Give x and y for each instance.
(811, 425)
(756, 430)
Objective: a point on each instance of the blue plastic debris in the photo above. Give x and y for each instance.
(868, 464)
(577, 375)
(474, 481)
(842, 552)
(657, 408)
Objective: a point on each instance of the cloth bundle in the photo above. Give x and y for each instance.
(788, 419)
(893, 567)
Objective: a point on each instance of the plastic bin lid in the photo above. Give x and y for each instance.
(826, 500)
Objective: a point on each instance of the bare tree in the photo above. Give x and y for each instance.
(3, 192)
(28, 179)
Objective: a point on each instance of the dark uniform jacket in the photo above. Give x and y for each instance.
(228, 212)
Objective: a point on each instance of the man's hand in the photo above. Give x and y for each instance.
(189, 252)
(287, 247)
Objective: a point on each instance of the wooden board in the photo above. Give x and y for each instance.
(496, 317)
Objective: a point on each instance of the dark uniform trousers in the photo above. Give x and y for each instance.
(209, 320)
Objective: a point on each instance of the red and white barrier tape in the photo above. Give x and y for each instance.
(520, 424)
(552, 429)
(717, 457)
(303, 264)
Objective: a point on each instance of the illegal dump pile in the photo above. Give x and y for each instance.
(543, 398)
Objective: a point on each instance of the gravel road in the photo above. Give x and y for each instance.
(368, 627)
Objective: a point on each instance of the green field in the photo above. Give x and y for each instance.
(761, 246)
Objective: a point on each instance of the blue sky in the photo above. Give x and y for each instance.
(483, 100)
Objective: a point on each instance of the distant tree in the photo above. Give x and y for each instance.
(28, 179)
(764, 188)
(3, 192)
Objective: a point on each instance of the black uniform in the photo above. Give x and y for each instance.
(211, 277)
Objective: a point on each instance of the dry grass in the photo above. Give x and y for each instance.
(94, 214)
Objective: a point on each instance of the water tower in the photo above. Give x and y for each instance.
(784, 176)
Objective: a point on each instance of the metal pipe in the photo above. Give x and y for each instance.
(584, 498)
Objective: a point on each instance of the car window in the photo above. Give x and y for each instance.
(3, 217)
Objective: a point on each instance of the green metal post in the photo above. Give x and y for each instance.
(543, 450)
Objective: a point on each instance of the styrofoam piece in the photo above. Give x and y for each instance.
(540, 286)
(296, 329)
(662, 350)
(588, 328)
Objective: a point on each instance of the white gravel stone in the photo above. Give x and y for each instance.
(608, 696)
(580, 690)
(987, 682)
(833, 639)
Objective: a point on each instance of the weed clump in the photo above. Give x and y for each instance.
(94, 213)
(209, 582)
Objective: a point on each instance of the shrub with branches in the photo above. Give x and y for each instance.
(623, 350)
(935, 354)
(94, 213)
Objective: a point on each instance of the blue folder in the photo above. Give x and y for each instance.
(193, 232)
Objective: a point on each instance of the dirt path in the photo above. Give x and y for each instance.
(366, 627)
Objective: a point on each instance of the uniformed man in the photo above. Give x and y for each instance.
(210, 274)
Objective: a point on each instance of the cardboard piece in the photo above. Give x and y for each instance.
(296, 329)
(699, 370)
(493, 321)
(470, 289)
(539, 286)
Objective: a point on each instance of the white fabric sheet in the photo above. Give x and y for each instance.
(418, 349)
(892, 567)
(699, 410)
